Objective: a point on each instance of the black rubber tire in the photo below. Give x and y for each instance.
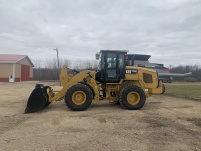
(69, 94)
(92, 92)
(123, 97)
(163, 88)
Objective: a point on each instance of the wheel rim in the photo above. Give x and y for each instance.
(133, 98)
(79, 97)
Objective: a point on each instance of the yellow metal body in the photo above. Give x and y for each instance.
(144, 78)
(150, 86)
(79, 97)
(133, 98)
(68, 80)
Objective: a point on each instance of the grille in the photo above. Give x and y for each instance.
(147, 78)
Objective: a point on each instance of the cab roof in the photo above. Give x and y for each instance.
(125, 51)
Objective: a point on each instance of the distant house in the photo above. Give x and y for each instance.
(15, 68)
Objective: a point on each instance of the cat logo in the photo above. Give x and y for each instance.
(131, 71)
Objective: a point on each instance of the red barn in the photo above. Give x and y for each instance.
(15, 68)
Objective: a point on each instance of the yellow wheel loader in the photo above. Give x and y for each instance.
(113, 81)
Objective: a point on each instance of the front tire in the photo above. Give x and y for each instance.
(78, 97)
(132, 97)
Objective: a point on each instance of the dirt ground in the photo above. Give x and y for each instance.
(164, 123)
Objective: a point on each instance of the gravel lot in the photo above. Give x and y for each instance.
(164, 123)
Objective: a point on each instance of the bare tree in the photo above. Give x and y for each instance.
(48, 70)
(196, 73)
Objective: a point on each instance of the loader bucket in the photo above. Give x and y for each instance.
(38, 99)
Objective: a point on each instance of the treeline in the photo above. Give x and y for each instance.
(196, 73)
(48, 70)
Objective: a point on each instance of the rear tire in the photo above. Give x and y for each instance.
(132, 97)
(78, 97)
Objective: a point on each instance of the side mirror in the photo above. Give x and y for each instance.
(97, 56)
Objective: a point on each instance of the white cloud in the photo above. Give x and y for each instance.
(168, 30)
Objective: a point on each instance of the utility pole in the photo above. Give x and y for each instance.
(57, 63)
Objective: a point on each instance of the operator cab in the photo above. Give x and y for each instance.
(111, 66)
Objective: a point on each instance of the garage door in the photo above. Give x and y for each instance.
(25, 73)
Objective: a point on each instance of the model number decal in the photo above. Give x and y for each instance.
(133, 71)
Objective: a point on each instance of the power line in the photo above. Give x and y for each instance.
(23, 42)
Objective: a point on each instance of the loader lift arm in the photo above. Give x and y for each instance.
(42, 96)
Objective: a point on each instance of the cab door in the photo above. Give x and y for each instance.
(111, 66)
(115, 66)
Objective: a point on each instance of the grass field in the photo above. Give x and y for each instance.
(184, 90)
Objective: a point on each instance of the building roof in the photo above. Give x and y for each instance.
(9, 58)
